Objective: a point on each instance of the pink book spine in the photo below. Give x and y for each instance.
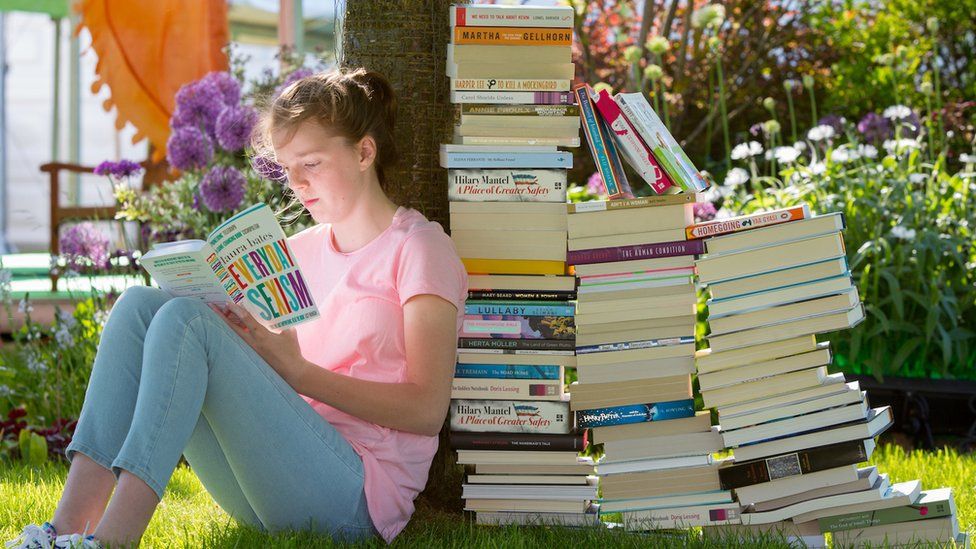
(642, 159)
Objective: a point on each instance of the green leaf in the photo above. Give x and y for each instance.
(946, 347)
(906, 349)
(894, 289)
(33, 448)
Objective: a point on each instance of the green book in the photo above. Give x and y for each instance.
(930, 504)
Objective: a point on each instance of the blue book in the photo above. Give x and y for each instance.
(635, 413)
(599, 144)
(558, 159)
(518, 310)
(507, 371)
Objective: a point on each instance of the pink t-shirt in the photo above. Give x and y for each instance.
(360, 296)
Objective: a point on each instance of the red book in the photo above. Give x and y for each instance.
(636, 151)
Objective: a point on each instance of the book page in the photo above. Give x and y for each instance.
(185, 269)
(261, 271)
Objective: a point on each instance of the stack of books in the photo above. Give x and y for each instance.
(797, 432)
(635, 322)
(510, 416)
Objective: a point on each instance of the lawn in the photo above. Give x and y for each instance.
(188, 517)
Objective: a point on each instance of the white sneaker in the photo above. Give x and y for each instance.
(34, 537)
(77, 541)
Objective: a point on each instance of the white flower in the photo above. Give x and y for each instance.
(897, 112)
(967, 158)
(893, 145)
(917, 177)
(902, 233)
(841, 155)
(745, 150)
(736, 177)
(709, 15)
(867, 151)
(63, 336)
(25, 306)
(800, 146)
(820, 133)
(724, 213)
(786, 155)
(817, 168)
(100, 317)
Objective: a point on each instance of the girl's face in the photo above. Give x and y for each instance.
(325, 171)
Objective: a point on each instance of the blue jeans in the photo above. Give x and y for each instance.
(171, 378)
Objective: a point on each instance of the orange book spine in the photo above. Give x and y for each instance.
(513, 36)
(513, 266)
(746, 222)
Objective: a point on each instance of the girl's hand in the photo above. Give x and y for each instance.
(280, 350)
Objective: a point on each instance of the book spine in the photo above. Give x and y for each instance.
(544, 111)
(507, 371)
(636, 413)
(495, 16)
(508, 416)
(594, 138)
(515, 389)
(519, 327)
(629, 203)
(638, 251)
(681, 517)
(744, 223)
(646, 344)
(507, 160)
(510, 84)
(507, 185)
(881, 517)
(641, 128)
(616, 161)
(513, 266)
(528, 36)
(639, 154)
(513, 97)
(516, 141)
(522, 295)
(794, 464)
(519, 310)
(517, 441)
(500, 345)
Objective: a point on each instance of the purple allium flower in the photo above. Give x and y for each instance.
(269, 169)
(295, 76)
(196, 200)
(226, 85)
(188, 148)
(81, 243)
(756, 129)
(198, 104)
(874, 127)
(834, 121)
(118, 170)
(222, 189)
(234, 126)
(704, 211)
(595, 184)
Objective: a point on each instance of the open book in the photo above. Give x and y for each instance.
(245, 260)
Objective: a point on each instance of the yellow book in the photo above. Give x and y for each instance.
(514, 266)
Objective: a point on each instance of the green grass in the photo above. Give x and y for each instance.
(188, 517)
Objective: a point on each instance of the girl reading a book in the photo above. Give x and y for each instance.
(331, 425)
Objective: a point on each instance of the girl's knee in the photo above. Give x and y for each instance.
(141, 300)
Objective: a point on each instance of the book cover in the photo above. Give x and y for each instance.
(931, 504)
(636, 413)
(798, 463)
(518, 441)
(510, 416)
(509, 97)
(516, 346)
(746, 222)
(507, 185)
(508, 371)
(659, 140)
(611, 174)
(522, 295)
(510, 84)
(637, 152)
(640, 251)
(503, 160)
(245, 260)
(528, 309)
(527, 36)
(511, 16)
(682, 517)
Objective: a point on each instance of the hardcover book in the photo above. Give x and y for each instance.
(245, 260)
(510, 416)
(601, 146)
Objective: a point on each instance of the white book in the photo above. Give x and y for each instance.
(832, 384)
(682, 517)
(917, 533)
(519, 491)
(795, 425)
(876, 493)
(652, 464)
(900, 495)
(789, 486)
(759, 370)
(719, 308)
(713, 497)
(528, 518)
(851, 396)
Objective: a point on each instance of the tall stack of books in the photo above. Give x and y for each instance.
(510, 416)
(797, 432)
(635, 322)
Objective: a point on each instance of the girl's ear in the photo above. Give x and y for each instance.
(367, 152)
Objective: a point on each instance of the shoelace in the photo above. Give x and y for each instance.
(32, 533)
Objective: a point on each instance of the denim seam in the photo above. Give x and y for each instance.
(91, 453)
(142, 473)
(243, 344)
